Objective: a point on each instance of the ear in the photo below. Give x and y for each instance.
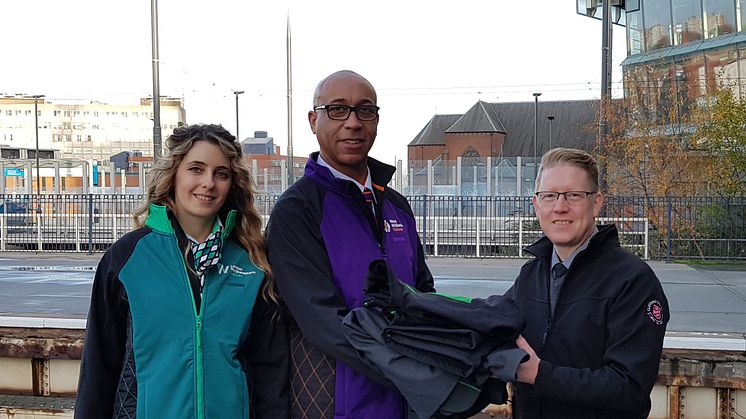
(535, 202)
(598, 202)
(312, 120)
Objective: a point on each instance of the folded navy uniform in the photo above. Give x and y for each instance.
(441, 352)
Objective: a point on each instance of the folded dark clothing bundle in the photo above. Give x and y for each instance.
(441, 352)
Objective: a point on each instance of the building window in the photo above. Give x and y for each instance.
(67, 113)
(721, 69)
(88, 138)
(56, 112)
(657, 18)
(9, 112)
(720, 18)
(687, 21)
(68, 138)
(690, 80)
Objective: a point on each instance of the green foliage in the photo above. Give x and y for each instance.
(722, 135)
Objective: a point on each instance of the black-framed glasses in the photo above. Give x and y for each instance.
(342, 112)
(571, 197)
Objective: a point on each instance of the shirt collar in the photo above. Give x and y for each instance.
(339, 175)
(567, 262)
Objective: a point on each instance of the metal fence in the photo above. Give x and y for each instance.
(468, 226)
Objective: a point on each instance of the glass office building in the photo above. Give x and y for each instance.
(679, 52)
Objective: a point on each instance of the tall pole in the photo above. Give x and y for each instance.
(550, 118)
(237, 92)
(36, 127)
(156, 87)
(290, 175)
(605, 86)
(536, 121)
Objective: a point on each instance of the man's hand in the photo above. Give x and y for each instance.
(528, 370)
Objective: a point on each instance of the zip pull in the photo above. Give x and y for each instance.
(546, 332)
(199, 333)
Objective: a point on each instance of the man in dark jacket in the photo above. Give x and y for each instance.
(323, 233)
(595, 314)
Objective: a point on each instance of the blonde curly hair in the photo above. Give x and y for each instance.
(162, 177)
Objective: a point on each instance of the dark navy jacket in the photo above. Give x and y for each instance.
(601, 348)
(321, 238)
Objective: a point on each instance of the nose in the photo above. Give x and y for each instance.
(561, 204)
(208, 180)
(352, 121)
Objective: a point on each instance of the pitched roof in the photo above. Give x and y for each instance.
(482, 117)
(573, 126)
(434, 132)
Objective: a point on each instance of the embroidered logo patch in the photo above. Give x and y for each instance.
(396, 226)
(655, 312)
(386, 226)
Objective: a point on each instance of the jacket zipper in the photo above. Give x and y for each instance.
(199, 379)
(378, 230)
(549, 310)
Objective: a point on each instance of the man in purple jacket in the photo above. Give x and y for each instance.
(323, 233)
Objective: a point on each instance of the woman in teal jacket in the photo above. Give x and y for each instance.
(183, 321)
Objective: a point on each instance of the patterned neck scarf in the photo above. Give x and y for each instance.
(207, 253)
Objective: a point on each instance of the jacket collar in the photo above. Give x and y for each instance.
(380, 173)
(161, 218)
(607, 237)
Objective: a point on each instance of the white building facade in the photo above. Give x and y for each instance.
(91, 131)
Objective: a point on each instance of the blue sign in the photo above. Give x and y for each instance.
(13, 171)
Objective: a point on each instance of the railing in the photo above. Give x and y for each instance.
(470, 226)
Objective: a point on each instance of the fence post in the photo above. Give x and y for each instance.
(435, 235)
(670, 230)
(520, 236)
(424, 225)
(478, 254)
(90, 224)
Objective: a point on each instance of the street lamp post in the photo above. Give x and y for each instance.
(237, 92)
(550, 118)
(536, 119)
(36, 127)
(157, 143)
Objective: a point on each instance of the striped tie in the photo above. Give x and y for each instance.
(368, 195)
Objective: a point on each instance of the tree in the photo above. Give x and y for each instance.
(644, 157)
(722, 136)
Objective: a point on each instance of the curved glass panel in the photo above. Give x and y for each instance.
(720, 17)
(721, 69)
(657, 18)
(690, 81)
(634, 33)
(687, 21)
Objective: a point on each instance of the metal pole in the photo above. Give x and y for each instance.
(36, 127)
(605, 86)
(536, 121)
(550, 118)
(156, 88)
(237, 92)
(290, 174)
